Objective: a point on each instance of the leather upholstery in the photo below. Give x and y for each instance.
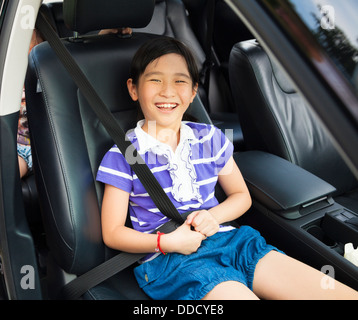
(263, 171)
(170, 19)
(276, 119)
(68, 143)
(106, 14)
(54, 14)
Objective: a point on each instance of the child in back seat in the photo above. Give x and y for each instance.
(24, 154)
(188, 159)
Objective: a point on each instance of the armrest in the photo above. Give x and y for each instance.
(282, 186)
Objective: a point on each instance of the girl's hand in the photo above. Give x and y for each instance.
(183, 240)
(204, 222)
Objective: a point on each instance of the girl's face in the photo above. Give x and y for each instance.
(164, 91)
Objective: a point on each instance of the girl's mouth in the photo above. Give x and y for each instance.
(166, 106)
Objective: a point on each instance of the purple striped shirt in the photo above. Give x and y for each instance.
(188, 175)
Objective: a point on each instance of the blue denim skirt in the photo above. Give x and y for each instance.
(25, 153)
(225, 256)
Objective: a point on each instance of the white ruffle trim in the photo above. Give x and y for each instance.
(182, 171)
(180, 166)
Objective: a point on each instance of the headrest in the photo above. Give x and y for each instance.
(89, 15)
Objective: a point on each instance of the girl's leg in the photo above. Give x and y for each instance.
(278, 276)
(230, 290)
(22, 166)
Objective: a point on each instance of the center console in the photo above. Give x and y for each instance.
(297, 212)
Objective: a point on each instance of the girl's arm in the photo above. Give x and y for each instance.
(238, 201)
(117, 236)
(114, 232)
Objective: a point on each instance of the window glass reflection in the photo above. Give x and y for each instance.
(334, 23)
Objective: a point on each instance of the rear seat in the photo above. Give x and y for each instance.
(170, 19)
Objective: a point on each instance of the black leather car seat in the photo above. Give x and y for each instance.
(54, 14)
(170, 19)
(276, 119)
(69, 142)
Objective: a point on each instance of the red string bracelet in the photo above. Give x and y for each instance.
(158, 248)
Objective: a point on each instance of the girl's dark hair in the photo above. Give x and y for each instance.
(158, 47)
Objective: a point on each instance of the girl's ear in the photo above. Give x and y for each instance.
(195, 90)
(132, 89)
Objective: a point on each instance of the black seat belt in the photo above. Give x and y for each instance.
(81, 284)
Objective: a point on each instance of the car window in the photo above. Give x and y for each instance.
(334, 24)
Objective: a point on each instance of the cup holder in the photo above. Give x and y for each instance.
(319, 234)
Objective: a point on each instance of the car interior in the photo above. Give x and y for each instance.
(305, 197)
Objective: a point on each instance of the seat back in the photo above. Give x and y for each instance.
(54, 14)
(275, 118)
(170, 19)
(67, 139)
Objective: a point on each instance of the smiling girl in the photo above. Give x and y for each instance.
(202, 259)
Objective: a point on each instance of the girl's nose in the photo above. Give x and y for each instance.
(167, 90)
